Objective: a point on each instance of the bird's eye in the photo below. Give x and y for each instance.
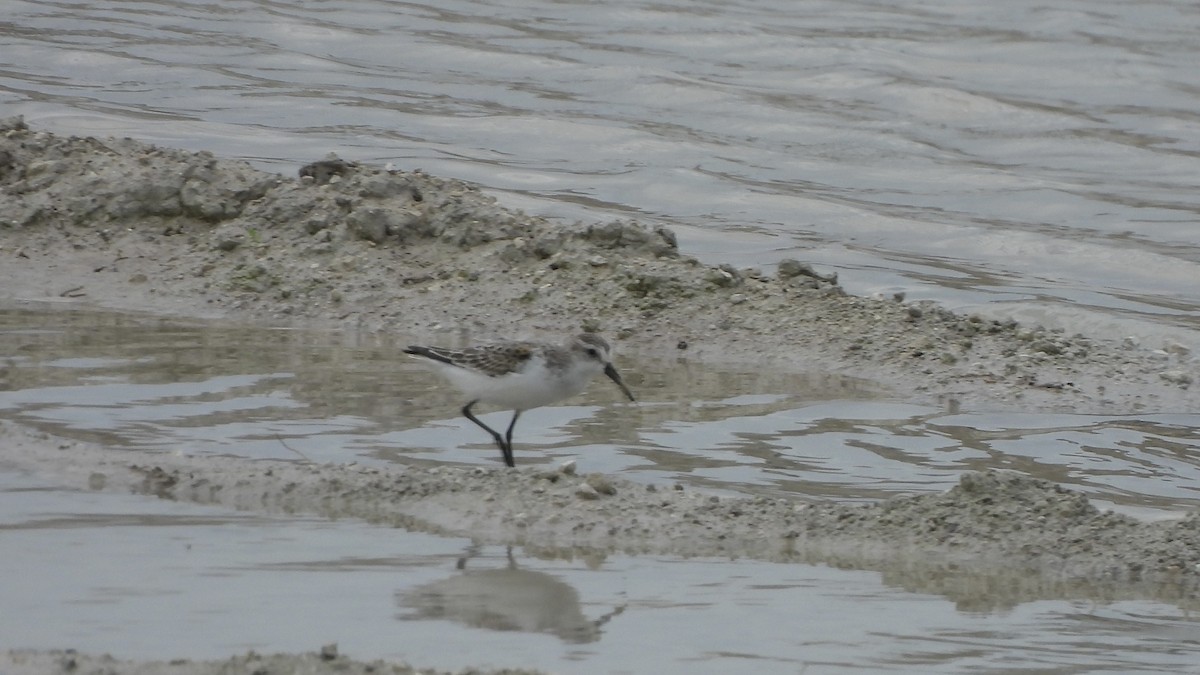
(591, 351)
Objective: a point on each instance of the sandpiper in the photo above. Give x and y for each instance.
(519, 376)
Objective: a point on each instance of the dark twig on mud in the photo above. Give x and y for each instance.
(284, 444)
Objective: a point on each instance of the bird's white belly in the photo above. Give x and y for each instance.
(532, 388)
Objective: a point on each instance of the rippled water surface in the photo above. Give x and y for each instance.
(1036, 159)
(164, 386)
(1024, 158)
(174, 580)
(167, 580)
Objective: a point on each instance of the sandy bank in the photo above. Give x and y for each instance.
(327, 661)
(121, 224)
(1041, 540)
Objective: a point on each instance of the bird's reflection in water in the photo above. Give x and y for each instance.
(507, 599)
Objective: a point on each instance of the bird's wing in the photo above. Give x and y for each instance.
(492, 359)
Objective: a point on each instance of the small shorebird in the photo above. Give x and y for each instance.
(519, 376)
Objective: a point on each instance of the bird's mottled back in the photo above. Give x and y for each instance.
(492, 360)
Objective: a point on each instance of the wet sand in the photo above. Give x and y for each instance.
(119, 224)
(324, 660)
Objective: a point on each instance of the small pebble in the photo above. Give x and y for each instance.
(1179, 377)
(601, 484)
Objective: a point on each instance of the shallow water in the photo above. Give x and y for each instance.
(1028, 158)
(167, 580)
(146, 578)
(165, 386)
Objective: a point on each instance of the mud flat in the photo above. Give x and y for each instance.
(116, 223)
(994, 541)
(121, 224)
(327, 660)
(1046, 541)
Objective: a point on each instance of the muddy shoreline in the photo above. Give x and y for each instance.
(325, 660)
(996, 522)
(119, 224)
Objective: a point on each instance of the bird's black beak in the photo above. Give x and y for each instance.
(616, 377)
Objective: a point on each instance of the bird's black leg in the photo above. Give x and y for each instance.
(508, 438)
(504, 447)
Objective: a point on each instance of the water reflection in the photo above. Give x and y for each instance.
(177, 579)
(160, 386)
(505, 599)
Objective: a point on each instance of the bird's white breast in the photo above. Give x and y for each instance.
(532, 386)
